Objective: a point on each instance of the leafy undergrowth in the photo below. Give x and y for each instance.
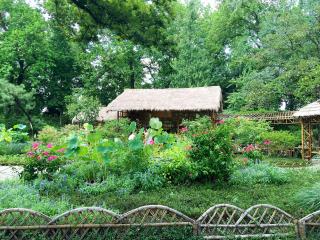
(13, 160)
(194, 200)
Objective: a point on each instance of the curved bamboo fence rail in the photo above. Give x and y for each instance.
(223, 221)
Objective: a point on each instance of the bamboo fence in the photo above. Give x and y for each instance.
(223, 221)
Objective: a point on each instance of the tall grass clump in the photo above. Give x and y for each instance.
(260, 174)
(309, 198)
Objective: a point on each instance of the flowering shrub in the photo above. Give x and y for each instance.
(44, 161)
(212, 154)
(252, 153)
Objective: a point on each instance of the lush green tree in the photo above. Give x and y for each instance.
(83, 107)
(193, 64)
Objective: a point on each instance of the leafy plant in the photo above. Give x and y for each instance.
(280, 140)
(15, 134)
(212, 154)
(44, 161)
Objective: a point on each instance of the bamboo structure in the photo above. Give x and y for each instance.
(221, 221)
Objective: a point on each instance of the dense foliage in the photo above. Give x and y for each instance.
(262, 53)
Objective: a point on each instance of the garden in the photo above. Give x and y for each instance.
(120, 166)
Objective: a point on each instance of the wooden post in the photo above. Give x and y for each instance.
(302, 139)
(306, 139)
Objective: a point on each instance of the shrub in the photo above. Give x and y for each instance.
(14, 194)
(149, 180)
(113, 184)
(260, 174)
(21, 159)
(245, 132)
(280, 140)
(116, 129)
(175, 164)
(212, 154)
(309, 198)
(15, 134)
(199, 125)
(49, 134)
(43, 161)
(13, 148)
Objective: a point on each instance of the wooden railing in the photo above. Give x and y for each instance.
(285, 117)
(221, 221)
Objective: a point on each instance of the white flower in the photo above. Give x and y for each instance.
(132, 136)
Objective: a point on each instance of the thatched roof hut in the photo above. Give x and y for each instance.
(103, 115)
(310, 110)
(170, 99)
(171, 105)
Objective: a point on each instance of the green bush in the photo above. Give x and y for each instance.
(197, 126)
(260, 174)
(174, 162)
(15, 134)
(116, 129)
(280, 140)
(13, 148)
(309, 198)
(15, 194)
(21, 159)
(245, 132)
(49, 134)
(212, 154)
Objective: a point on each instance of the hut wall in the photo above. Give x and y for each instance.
(171, 119)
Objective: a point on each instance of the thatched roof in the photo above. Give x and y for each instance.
(170, 99)
(104, 115)
(312, 109)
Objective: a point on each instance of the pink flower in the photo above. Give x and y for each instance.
(249, 148)
(60, 150)
(39, 157)
(184, 129)
(53, 157)
(150, 141)
(35, 145)
(220, 121)
(46, 153)
(267, 142)
(30, 154)
(245, 160)
(49, 145)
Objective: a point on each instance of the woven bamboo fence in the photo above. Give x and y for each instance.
(221, 221)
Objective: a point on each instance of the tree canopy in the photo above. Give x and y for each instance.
(262, 53)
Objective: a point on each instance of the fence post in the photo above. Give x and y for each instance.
(301, 230)
(196, 228)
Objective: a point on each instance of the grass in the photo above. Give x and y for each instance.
(194, 200)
